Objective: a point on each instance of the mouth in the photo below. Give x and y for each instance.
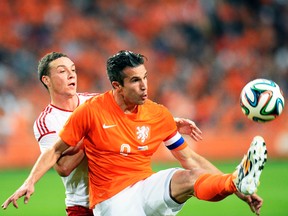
(144, 97)
(72, 84)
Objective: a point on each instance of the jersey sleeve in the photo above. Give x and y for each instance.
(44, 133)
(174, 141)
(77, 125)
(47, 141)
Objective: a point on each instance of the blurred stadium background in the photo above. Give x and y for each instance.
(200, 53)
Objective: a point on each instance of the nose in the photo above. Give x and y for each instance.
(71, 74)
(143, 85)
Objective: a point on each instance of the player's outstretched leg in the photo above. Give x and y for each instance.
(249, 170)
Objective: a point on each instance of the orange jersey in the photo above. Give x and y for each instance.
(120, 145)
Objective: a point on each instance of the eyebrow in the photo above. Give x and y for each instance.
(138, 76)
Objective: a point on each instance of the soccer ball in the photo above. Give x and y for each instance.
(262, 100)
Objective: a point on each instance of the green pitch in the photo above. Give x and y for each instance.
(48, 199)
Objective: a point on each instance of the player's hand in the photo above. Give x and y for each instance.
(254, 201)
(188, 127)
(25, 190)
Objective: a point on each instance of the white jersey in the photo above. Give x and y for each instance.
(46, 129)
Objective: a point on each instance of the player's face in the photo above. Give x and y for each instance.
(63, 77)
(134, 90)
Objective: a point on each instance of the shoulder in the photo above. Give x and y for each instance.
(52, 115)
(155, 109)
(44, 124)
(86, 96)
(99, 98)
(152, 105)
(91, 104)
(94, 105)
(45, 114)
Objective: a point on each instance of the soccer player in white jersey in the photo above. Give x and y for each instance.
(58, 74)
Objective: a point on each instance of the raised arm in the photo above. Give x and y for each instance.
(191, 160)
(44, 162)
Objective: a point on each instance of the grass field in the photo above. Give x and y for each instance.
(48, 199)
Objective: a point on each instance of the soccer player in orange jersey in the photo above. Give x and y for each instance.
(57, 72)
(124, 129)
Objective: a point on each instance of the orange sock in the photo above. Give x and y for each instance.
(211, 187)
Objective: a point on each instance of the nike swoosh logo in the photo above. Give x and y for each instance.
(108, 126)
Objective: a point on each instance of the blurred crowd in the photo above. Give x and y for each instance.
(200, 52)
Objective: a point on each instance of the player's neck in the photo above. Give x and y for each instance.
(126, 108)
(131, 110)
(65, 102)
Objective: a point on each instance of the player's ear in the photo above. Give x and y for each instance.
(45, 80)
(116, 85)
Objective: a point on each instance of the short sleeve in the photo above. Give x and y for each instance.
(77, 125)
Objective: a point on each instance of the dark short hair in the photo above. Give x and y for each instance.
(118, 62)
(44, 64)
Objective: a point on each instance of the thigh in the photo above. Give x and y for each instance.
(156, 193)
(128, 202)
(149, 197)
(78, 211)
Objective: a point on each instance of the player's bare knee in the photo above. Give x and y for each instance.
(182, 184)
(192, 176)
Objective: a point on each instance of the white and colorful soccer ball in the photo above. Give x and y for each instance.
(262, 100)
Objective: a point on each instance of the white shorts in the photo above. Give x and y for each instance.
(147, 197)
